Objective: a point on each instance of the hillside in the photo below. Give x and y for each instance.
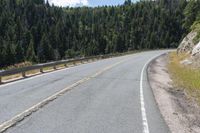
(32, 30)
(191, 43)
(184, 65)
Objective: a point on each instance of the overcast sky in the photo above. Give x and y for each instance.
(86, 2)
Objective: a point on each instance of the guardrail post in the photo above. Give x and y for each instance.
(0, 80)
(65, 65)
(24, 74)
(54, 67)
(41, 70)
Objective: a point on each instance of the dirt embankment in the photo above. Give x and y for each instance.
(181, 114)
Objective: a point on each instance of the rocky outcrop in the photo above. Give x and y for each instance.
(195, 58)
(187, 44)
(196, 50)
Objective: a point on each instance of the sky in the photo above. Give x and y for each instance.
(92, 3)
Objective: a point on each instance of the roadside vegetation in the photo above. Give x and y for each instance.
(184, 77)
(188, 76)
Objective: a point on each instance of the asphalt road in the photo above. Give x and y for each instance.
(109, 101)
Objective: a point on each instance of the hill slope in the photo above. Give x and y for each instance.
(32, 30)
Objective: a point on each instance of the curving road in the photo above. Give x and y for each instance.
(106, 96)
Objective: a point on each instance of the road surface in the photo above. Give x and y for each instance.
(106, 96)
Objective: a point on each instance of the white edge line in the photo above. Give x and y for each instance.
(143, 110)
(142, 101)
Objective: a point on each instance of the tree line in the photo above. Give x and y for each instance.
(35, 31)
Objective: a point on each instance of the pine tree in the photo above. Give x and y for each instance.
(127, 2)
(191, 11)
(10, 53)
(30, 54)
(19, 53)
(45, 50)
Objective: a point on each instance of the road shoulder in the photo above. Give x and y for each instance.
(181, 114)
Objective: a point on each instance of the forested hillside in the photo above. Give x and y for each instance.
(32, 30)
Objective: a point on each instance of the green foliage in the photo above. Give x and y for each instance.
(30, 55)
(46, 51)
(20, 53)
(191, 11)
(70, 53)
(35, 31)
(10, 53)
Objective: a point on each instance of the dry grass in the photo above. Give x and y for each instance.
(185, 76)
(16, 76)
(33, 72)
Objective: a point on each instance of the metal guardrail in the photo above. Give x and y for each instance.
(41, 67)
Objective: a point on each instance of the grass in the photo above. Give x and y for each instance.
(33, 72)
(16, 76)
(184, 76)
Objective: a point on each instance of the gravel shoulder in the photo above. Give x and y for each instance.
(180, 112)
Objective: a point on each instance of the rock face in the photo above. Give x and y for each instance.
(187, 44)
(196, 50)
(196, 56)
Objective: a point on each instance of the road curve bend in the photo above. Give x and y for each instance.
(106, 96)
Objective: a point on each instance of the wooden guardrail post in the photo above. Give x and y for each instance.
(24, 74)
(54, 67)
(41, 70)
(66, 65)
(0, 80)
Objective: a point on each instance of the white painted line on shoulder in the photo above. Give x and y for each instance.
(142, 101)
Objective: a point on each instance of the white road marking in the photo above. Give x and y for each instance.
(143, 110)
(21, 116)
(142, 101)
